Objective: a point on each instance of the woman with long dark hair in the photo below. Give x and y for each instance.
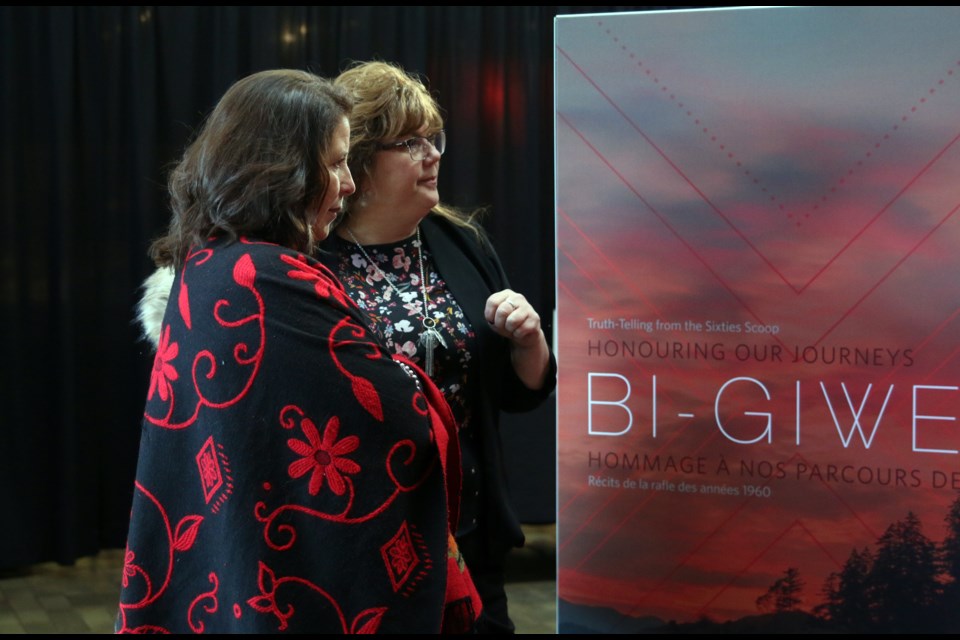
(292, 475)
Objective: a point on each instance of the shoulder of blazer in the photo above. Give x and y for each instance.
(445, 237)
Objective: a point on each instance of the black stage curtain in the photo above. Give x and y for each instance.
(97, 102)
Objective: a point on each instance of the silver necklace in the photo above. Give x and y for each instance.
(430, 337)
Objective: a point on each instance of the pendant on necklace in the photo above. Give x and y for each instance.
(430, 338)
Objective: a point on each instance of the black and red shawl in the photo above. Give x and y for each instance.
(292, 476)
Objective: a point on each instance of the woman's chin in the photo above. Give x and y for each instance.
(319, 232)
(431, 199)
(322, 226)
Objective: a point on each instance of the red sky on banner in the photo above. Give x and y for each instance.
(737, 190)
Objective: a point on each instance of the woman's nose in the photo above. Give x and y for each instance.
(346, 184)
(433, 155)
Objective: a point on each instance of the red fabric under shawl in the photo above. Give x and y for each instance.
(292, 475)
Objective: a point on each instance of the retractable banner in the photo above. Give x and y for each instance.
(758, 325)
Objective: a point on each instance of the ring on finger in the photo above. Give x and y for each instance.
(512, 303)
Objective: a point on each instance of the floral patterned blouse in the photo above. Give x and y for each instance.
(397, 318)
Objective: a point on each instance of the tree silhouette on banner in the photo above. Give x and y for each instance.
(909, 584)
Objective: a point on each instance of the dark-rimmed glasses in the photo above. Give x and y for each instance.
(419, 146)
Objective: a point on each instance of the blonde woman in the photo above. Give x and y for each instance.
(432, 288)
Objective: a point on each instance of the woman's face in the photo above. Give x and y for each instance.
(340, 183)
(405, 187)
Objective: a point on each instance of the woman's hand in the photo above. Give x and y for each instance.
(513, 317)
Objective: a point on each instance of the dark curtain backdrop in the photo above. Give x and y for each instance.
(97, 102)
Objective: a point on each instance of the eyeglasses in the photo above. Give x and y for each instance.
(419, 146)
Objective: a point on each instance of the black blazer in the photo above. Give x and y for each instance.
(470, 267)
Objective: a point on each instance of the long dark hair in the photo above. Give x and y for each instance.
(256, 168)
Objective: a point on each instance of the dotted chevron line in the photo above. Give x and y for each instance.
(732, 157)
(886, 136)
(696, 120)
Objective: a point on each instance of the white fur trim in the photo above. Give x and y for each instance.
(153, 303)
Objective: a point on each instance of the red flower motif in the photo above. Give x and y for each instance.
(129, 569)
(324, 282)
(163, 371)
(323, 457)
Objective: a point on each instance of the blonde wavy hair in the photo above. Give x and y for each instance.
(390, 103)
